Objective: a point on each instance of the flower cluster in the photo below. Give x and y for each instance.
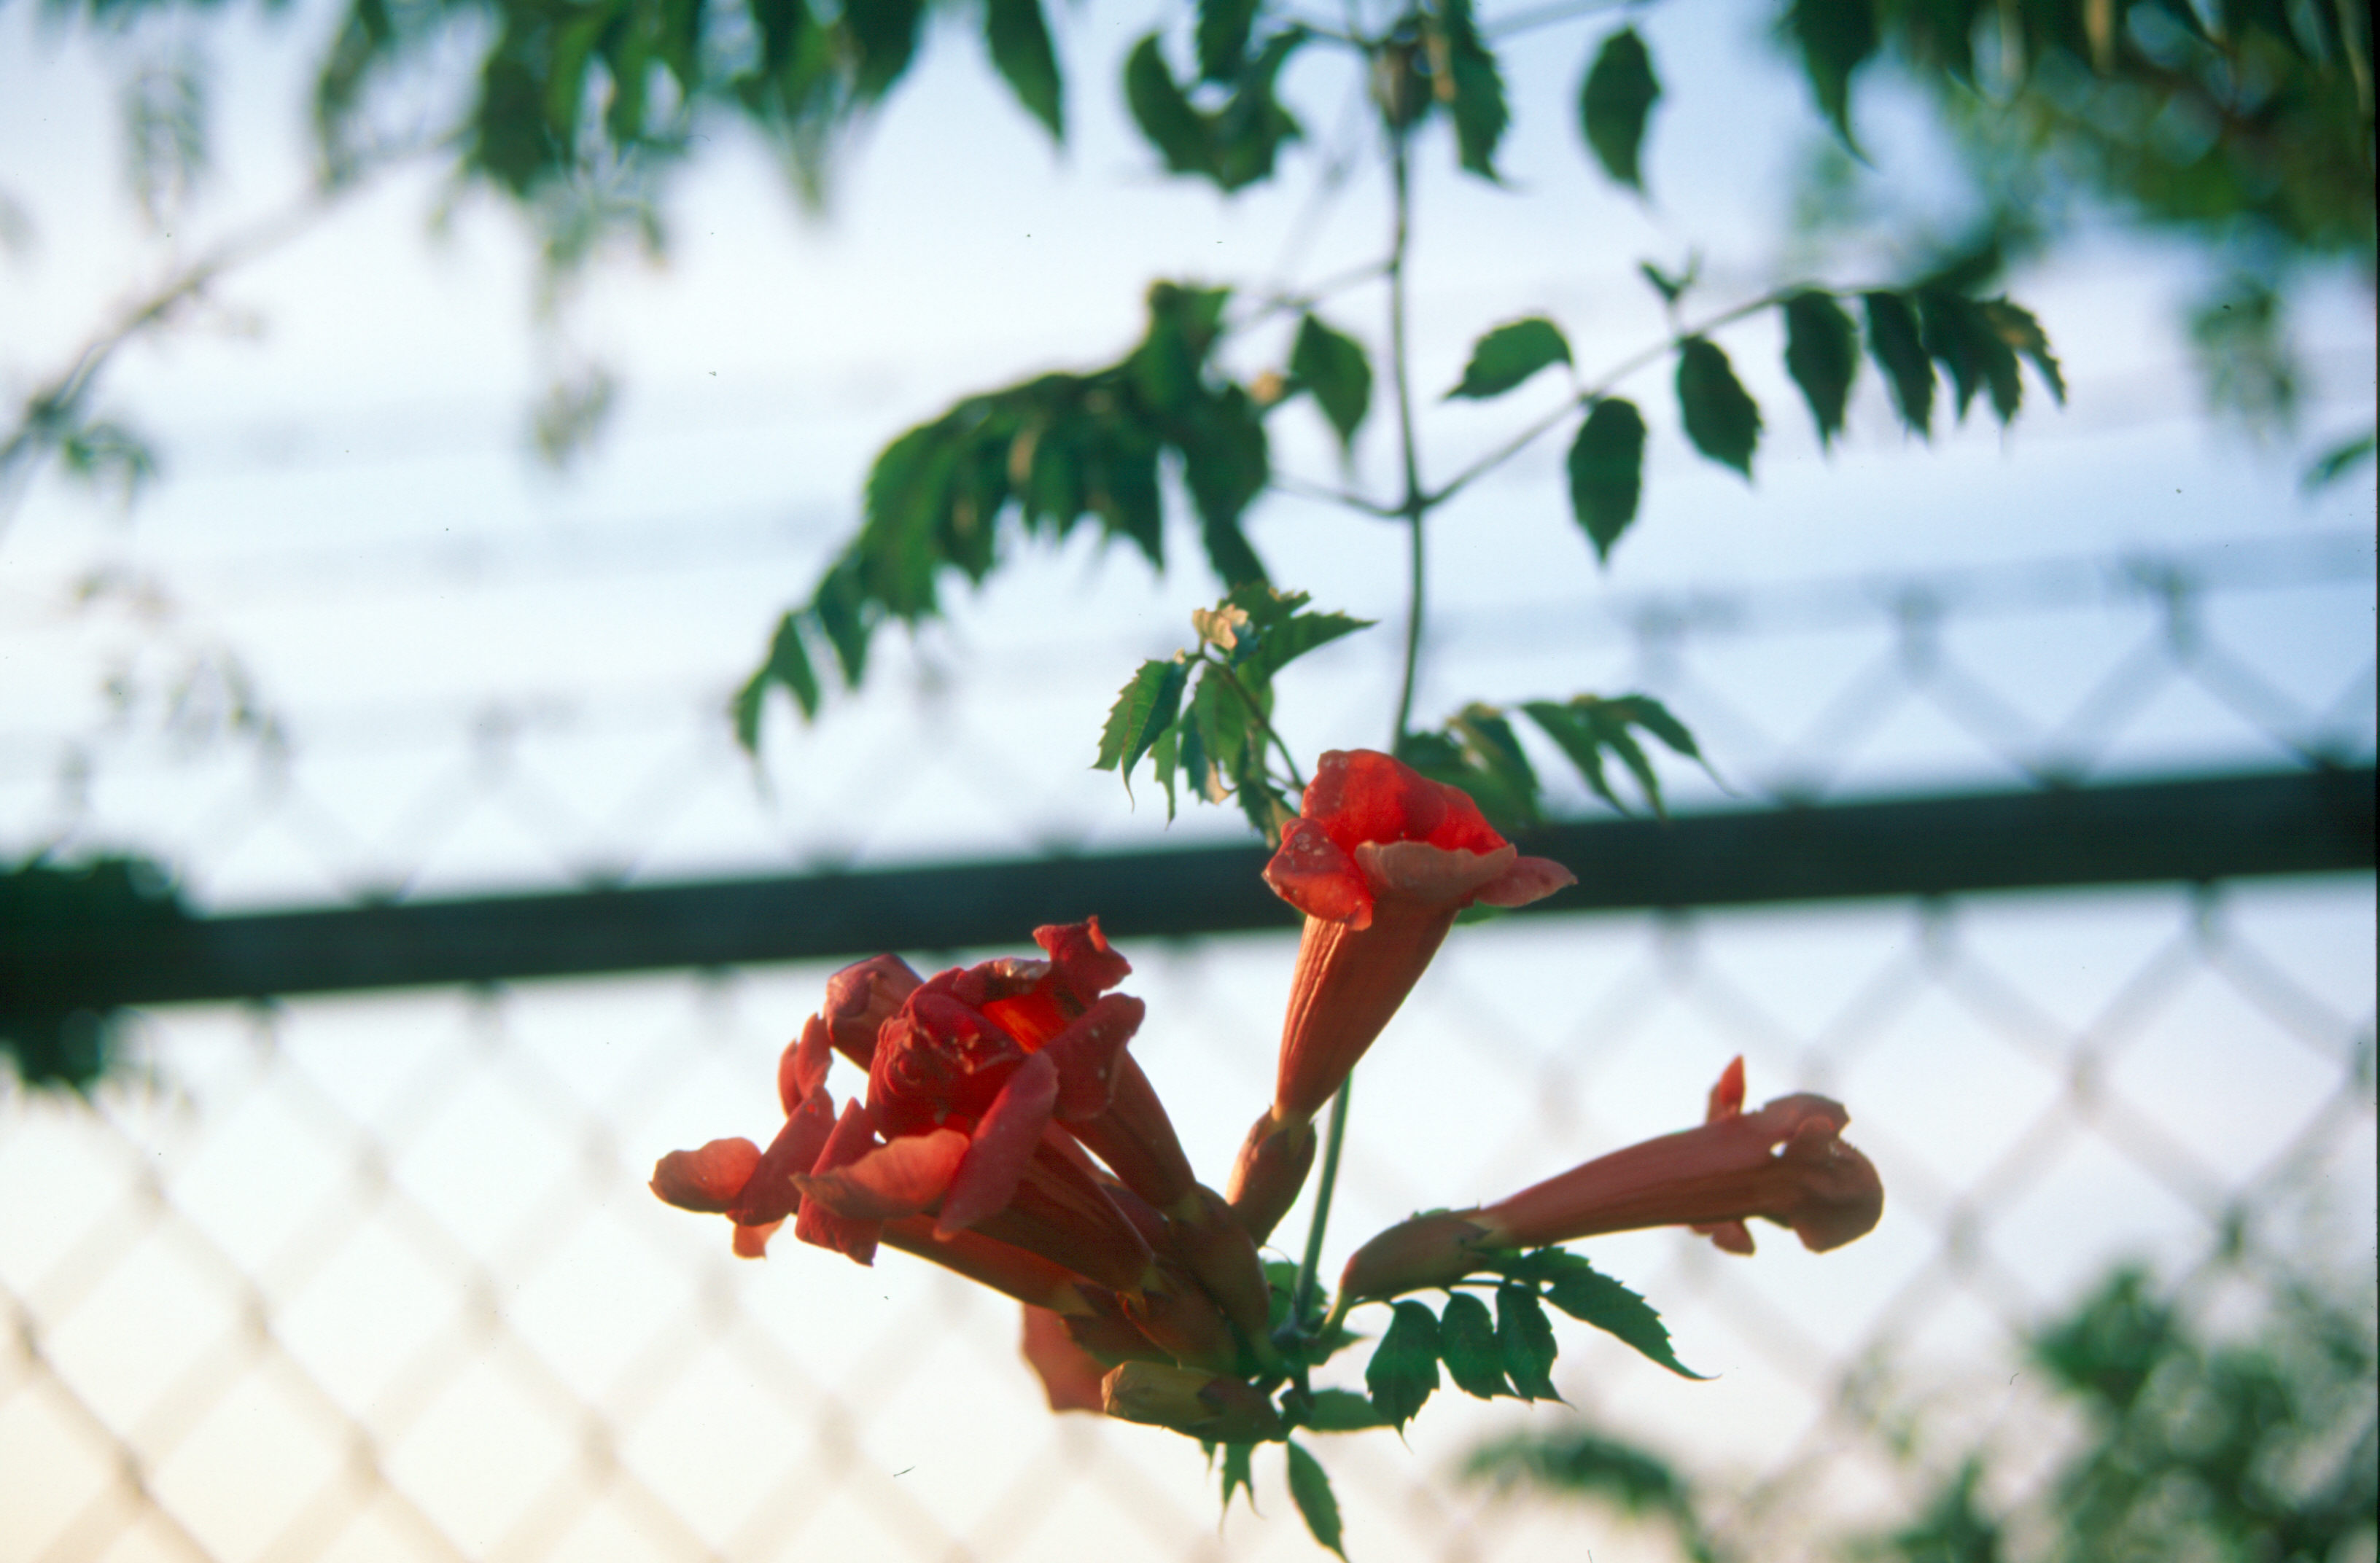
(1007, 1134)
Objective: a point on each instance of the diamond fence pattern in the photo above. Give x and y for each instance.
(376, 1278)
(2252, 656)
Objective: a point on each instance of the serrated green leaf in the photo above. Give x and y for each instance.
(1511, 354)
(1403, 1369)
(884, 35)
(1589, 1295)
(1311, 1490)
(1953, 337)
(1164, 757)
(1721, 418)
(751, 699)
(1893, 340)
(1632, 754)
(1466, 1339)
(1277, 648)
(2021, 330)
(1248, 131)
(789, 664)
(1164, 112)
(1018, 39)
(1239, 1473)
(1836, 37)
(1496, 773)
(1656, 718)
(1145, 708)
(1524, 1336)
(1478, 110)
(1224, 27)
(841, 609)
(1607, 472)
(1822, 355)
(1335, 369)
(1577, 737)
(1670, 288)
(1615, 101)
(1225, 463)
(1341, 1410)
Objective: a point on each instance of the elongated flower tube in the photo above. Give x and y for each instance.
(1786, 1163)
(1380, 859)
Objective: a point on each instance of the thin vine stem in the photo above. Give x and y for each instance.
(1417, 505)
(1599, 390)
(1310, 1269)
(1297, 778)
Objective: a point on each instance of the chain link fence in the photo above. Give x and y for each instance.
(375, 1277)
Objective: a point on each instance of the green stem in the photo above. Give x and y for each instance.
(1308, 1271)
(1297, 778)
(1416, 504)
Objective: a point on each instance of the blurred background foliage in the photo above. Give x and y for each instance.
(2227, 1418)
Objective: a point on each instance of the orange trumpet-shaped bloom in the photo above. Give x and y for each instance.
(1380, 859)
(1786, 1163)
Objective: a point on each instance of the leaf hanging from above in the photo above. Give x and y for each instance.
(1144, 709)
(1836, 37)
(1236, 144)
(1720, 416)
(1018, 37)
(1822, 355)
(1614, 103)
(1223, 29)
(1606, 469)
(1334, 367)
(1511, 354)
(1471, 85)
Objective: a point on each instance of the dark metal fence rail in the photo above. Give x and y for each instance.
(2197, 830)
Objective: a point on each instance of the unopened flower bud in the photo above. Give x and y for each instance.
(1190, 1400)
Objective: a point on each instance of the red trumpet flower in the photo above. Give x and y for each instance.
(1786, 1163)
(1380, 859)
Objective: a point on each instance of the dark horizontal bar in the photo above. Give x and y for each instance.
(2211, 829)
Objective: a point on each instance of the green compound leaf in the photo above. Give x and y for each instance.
(1607, 472)
(1403, 1369)
(1466, 1337)
(1511, 354)
(1311, 1490)
(1614, 103)
(1334, 366)
(1526, 1338)
(1899, 351)
(789, 664)
(1836, 37)
(1721, 418)
(1822, 355)
(1587, 1294)
(1019, 40)
(1144, 708)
